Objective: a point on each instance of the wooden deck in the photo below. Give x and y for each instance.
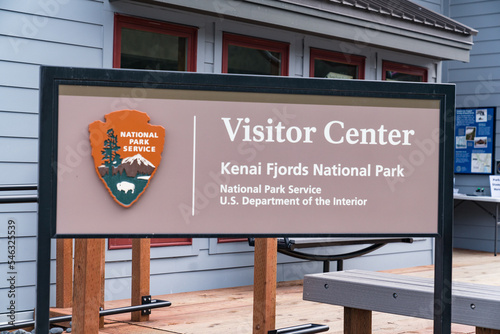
(230, 310)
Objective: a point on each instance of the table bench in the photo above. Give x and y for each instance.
(361, 292)
(290, 247)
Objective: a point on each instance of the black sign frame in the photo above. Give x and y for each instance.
(52, 77)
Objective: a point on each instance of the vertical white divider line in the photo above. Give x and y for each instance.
(194, 165)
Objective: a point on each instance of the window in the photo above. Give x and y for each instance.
(249, 55)
(402, 72)
(146, 44)
(329, 64)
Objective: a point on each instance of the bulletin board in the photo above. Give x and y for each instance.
(475, 140)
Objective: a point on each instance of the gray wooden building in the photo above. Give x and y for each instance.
(478, 85)
(355, 39)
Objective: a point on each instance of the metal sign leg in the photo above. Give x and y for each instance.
(42, 312)
(496, 228)
(442, 284)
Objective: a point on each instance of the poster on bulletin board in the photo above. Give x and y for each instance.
(475, 140)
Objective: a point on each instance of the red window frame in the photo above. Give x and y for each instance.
(121, 21)
(255, 43)
(155, 242)
(191, 34)
(403, 68)
(337, 57)
(228, 240)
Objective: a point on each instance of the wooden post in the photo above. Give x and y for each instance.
(64, 273)
(102, 251)
(140, 274)
(86, 294)
(357, 321)
(264, 289)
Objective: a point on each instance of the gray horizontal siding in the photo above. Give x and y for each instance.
(121, 255)
(49, 29)
(474, 228)
(18, 99)
(49, 53)
(468, 101)
(478, 60)
(434, 5)
(86, 11)
(464, 75)
(471, 243)
(459, 2)
(24, 300)
(481, 230)
(463, 9)
(234, 277)
(484, 21)
(487, 47)
(487, 86)
(18, 173)
(26, 226)
(24, 249)
(19, 75)
(19, 149)
(22, 125)
(26, 223)
(26, 275)
(478, 84)
(483, 96)
(488, 33)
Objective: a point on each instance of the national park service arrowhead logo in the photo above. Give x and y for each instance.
(127, 152)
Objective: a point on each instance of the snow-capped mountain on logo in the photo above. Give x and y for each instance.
(136, 165)
(131, 166)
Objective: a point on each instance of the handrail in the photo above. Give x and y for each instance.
(20, 187)
(31, 198)
(155, 303)
(301, 329)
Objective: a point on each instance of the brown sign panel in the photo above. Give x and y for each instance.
(245, 163)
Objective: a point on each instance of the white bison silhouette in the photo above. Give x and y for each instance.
(125, 186)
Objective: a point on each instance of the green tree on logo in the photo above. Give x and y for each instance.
(110, 157)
